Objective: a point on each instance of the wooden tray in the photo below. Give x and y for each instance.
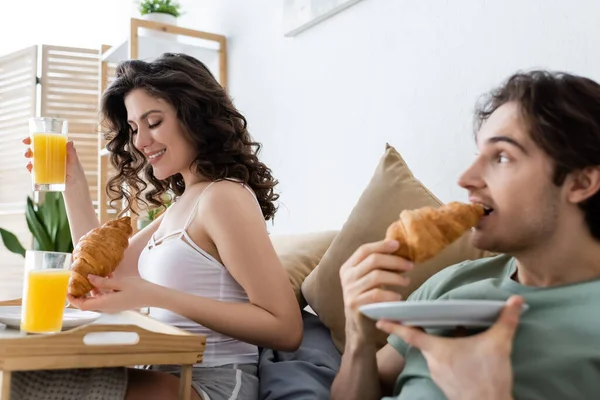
(124, 339)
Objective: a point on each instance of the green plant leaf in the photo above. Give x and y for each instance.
(64, 241)
(50, 214)
(41, 238)
(12, 242)
(160, 6)
(64, 226)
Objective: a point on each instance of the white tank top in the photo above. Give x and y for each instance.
(175, 261)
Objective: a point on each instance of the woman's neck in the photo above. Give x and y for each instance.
(190, 178)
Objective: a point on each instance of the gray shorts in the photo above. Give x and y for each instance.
(227, 382)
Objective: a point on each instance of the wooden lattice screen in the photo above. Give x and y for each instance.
(17, 104)
(69, 89)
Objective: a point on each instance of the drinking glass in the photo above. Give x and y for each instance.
(44, 291)
(49, 146)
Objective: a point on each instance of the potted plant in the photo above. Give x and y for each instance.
(153, 213)
(164, 11)
(48, 224)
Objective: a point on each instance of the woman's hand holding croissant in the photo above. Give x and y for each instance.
(95, 292)
(115, 294)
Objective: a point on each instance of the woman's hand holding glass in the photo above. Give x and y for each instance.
(75, 171)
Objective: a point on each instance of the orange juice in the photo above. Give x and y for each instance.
(49, 158)
(45, 300)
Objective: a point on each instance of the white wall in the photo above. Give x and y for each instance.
(73, 23)
(404, 71)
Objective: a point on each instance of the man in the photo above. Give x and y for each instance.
(538, 169)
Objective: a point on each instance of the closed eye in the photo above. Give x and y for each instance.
(502, 159)
(154, 125)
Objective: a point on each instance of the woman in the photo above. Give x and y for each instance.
(207, 264)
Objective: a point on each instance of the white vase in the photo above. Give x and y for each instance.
(162, 18)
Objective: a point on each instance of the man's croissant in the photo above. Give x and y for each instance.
(424, 232)
(98, 252)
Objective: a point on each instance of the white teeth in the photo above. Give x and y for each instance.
(160, 153)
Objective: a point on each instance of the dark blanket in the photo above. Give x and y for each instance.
(304, 374)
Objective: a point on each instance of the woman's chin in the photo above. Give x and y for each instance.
(160, 175)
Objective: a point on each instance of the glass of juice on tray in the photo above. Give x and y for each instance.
(49, 146)
(45, 291)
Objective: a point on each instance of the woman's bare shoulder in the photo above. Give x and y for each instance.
(227, 192)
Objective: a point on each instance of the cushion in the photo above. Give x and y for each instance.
(300, 254)
(391, 189)
(306, 373)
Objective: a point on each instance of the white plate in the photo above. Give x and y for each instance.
(437, 313)
(11, 316)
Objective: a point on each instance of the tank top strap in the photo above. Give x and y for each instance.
(253, 195)
(193, 212)
(191, 216)
(247, 188)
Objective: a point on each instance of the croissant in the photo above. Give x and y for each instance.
(425, 232)
(98, 252)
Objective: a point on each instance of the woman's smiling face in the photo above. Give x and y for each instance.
(158, 134)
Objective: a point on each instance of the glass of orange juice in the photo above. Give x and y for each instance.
(44, 291)
(49, 146)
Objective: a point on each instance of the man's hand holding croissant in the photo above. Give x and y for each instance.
(369, 276)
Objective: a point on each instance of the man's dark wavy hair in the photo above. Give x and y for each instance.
(208, 118)
(562, 112)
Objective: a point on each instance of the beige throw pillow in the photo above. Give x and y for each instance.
(300, 253)
(392, 189)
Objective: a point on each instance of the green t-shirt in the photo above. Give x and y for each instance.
(556, 351)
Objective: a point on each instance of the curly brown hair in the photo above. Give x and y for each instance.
(562, 112)
(209, 121)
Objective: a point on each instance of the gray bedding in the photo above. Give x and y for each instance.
(304, 374)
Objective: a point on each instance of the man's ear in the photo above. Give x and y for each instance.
(583, 184)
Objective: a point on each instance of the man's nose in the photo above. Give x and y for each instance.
(472, 176)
